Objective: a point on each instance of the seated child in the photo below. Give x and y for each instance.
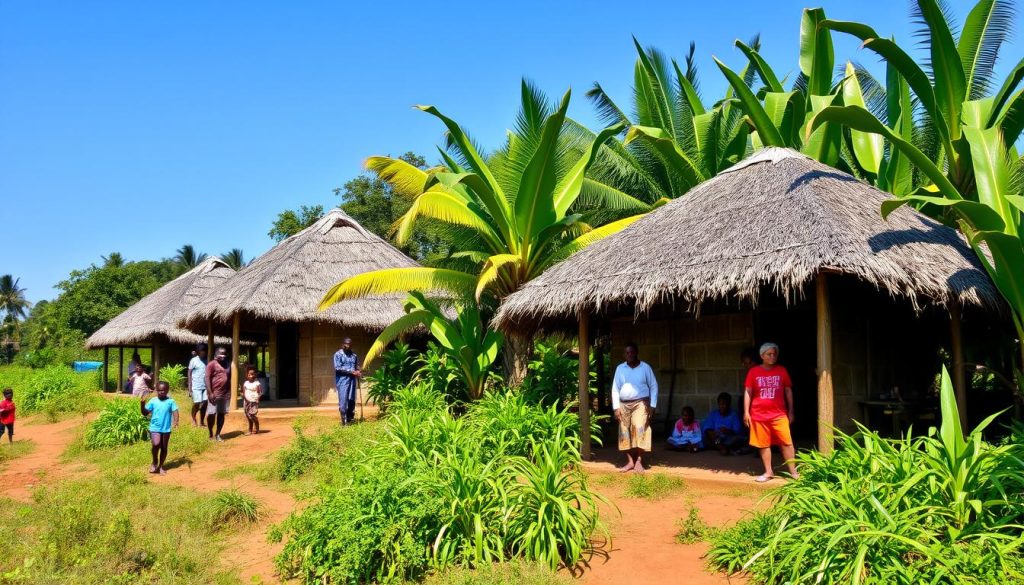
(686, 434)
(722, 427)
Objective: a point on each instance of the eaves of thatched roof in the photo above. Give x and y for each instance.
(773, 221)
(287, 282)
(157, 314)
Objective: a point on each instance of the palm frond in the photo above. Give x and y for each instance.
(396, 280)
(593, 236)
(986, 28)
(607, 110)
(400, 326)
(874, 92)
(405, 179)
(448, 207)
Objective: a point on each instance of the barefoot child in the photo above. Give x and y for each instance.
(162, 412)
(686, 434)
(251, 392)
(7, 414)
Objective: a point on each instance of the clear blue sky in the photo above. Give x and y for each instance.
(140, 126)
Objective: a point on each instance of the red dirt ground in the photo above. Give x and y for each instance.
(643, 548)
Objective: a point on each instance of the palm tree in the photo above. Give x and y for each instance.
(113, 260)
(517, 212)
(188, 258)
(12, 299)
(234, 258)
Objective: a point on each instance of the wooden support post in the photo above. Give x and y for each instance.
(156, 363)
(120, 369)
(584, 383)
(209, 340)
(826, 396)
(106, 366)
(959, 373)
(235, 332)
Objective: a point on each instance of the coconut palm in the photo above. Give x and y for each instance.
(517, 211)
(234, 258)
(113, 260)
(188, 258)
(13, 303)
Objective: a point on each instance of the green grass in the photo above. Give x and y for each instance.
(692, 529)
(187, 442)
(230, 508)
(115, 528)
(519, 572)
(652, 486)
(18, 448)
(55, 392)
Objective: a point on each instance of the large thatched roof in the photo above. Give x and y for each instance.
(159, 312)
(774, 220)
(287, 283)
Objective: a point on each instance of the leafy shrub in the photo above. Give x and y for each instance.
(692, 529)
(307, 451)
(174, 375)
(938, 509)
(119, 423)
(395, 371)
(435, 491)
(54, 390)
(652, 486)
(553, 376)
(230, 508)
(440, 374)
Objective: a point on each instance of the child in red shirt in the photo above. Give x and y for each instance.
(7, 414)
(768, 410)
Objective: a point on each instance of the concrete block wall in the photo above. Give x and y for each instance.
(707, 357)
(317, 344)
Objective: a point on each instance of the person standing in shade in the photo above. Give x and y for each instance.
(346, 377)
(197, 382)
(140, 381)
(768, 410)
(634, 398)
(218, 392)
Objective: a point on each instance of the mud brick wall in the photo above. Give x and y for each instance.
(706, 357)
(317, 344)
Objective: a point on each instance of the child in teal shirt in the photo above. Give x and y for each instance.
(162, 412)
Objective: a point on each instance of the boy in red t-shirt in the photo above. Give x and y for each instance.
(7, 414)
(768, 410)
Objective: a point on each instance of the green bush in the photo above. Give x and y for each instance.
(230, 508)
(395, 371)
(552, 376)
(54, 390)
(174, 375)
(937, 509)
(435, 491)
(692, 529)
(119, 423)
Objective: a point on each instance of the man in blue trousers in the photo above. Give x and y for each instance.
(346, 377)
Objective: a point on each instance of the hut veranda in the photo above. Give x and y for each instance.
(274, 301)
(153, 321)
(777, 248)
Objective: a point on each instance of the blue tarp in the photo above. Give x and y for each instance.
(86, 366)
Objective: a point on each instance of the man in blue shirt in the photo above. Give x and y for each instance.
(346, 377)
(722, 427)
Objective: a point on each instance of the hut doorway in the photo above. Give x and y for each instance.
(287, 361)
(793, 327)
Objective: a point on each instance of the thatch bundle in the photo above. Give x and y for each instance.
(287, 283)
(775, 220)
(158, 313)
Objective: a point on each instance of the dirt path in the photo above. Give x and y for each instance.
(18, 476)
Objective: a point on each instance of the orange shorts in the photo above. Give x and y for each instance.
(770, 432)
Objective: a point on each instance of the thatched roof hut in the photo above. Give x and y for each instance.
(287, 282)
(158, 313)
(732, 264)
(775, 220)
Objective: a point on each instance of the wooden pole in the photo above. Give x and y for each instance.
(584, 383)
(826, 396)
(959, 373)
(106, 366)
(209, 340)
(236, 328)
(120, 369)
(156, 363)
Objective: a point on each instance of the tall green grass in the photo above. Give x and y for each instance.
(119, 423)
(434, 491)
(939, 508)
(55, 391)
(230, 508)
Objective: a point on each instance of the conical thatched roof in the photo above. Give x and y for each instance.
(159, 312)
(774, 220)
(287, 283)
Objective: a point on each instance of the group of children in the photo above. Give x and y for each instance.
(721, 428)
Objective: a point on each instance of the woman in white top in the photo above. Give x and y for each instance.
(634, 398)
(251, 392)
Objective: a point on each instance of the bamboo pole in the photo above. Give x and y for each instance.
(156, 363)
(120, 369)
(959, 373)
(584, 385)
(826, 395)
(209, 340)
(236, 328)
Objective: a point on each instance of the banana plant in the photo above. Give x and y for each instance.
(673, 141)
(961, 71)
(466, 340)
(991, 216)
(779, 117)
(520, 210)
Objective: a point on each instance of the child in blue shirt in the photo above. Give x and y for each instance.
(723, 429)
(162, 412)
